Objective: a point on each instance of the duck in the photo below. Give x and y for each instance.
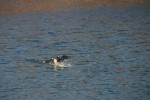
(56, 61)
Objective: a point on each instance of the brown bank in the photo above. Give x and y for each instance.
(7, 6)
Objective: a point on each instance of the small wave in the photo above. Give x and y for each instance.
(34, 61)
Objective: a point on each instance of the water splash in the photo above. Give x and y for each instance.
(63, 65)
(66, 64)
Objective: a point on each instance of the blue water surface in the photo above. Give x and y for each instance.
(109, 51)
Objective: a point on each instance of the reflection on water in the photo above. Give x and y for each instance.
(109, 49)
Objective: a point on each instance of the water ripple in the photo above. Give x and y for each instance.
(109, 49)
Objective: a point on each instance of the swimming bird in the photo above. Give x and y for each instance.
(57, 61)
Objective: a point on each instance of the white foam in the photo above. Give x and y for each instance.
(66, 65)
(62, 65)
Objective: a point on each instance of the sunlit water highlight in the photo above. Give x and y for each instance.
(109, 49)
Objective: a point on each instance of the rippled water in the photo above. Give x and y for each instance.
(109, 49)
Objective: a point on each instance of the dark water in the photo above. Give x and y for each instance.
(109, 49)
